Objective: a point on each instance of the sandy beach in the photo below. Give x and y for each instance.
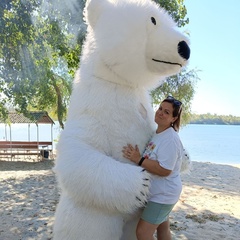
(209, 208)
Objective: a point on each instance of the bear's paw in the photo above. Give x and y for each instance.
(143, 195)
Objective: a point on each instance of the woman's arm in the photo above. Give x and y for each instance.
(151, 165)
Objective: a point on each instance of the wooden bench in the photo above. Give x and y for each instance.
(13, 149)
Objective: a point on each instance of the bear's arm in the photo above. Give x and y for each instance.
(92, 178)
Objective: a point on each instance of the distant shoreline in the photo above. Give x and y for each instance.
(214, 119)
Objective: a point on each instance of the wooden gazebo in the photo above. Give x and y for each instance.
(11, 148)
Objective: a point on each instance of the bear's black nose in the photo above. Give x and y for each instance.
(184, 50)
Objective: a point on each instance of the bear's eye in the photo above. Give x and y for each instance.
(153, 20)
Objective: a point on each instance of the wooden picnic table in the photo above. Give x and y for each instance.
(13, 149)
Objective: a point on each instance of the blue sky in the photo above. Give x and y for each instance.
(215, 51)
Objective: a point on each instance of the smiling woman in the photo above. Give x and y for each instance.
(163, 157)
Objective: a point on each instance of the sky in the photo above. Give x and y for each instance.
(214, 30)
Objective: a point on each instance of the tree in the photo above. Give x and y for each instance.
(38, 58)
(176, 9)
(181, 86)
(10, 52)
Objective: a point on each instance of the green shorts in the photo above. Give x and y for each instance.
(156, 213)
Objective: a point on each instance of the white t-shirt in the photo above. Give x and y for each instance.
(167, 149)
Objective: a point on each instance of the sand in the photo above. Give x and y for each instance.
(209, 208)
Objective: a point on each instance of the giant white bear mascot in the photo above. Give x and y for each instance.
(130, 46)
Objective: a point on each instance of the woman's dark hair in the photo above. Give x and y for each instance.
(177, 111)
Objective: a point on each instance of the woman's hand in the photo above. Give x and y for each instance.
(131, 153)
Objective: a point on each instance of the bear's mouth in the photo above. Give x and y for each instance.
(167, 62)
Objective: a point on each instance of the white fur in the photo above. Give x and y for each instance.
(186, 162)
(101, 192)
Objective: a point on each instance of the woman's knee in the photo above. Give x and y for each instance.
(145, 230)
(140, 233)
(163, 231)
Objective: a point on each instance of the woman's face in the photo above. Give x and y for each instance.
(164, 115)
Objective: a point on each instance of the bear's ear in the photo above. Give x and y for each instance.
(92, 11)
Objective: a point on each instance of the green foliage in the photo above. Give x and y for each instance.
(176, 9)
(181, 87)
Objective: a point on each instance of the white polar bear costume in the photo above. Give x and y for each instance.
(130, 46)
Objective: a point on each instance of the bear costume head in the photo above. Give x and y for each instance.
(130, 47)
(134, 39)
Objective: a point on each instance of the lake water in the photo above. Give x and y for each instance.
(205, 143)
(212, 143)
